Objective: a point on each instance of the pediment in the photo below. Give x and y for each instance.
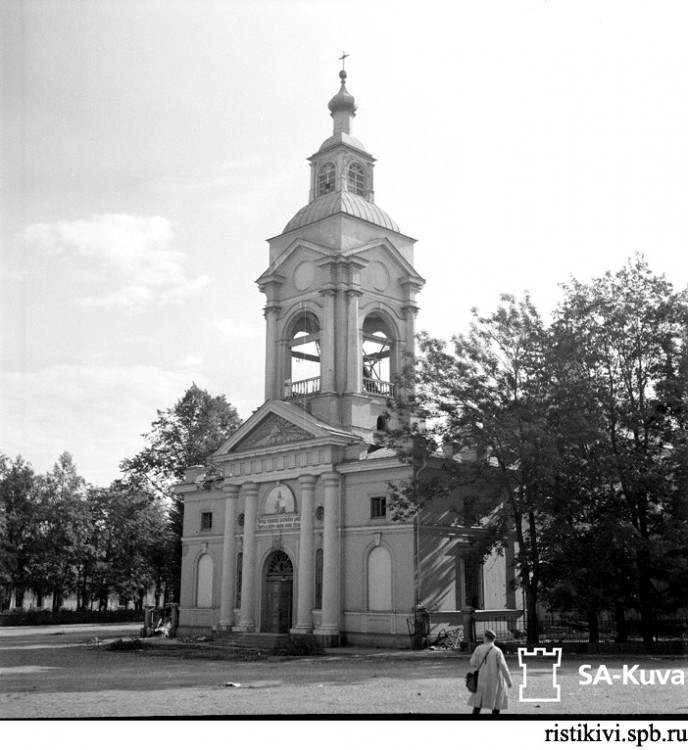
(279, 423)
(300, 250)
(384, 252)
(273, 430)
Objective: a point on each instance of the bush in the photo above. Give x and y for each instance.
(68, 617)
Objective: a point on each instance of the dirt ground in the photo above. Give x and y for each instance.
(65, 673)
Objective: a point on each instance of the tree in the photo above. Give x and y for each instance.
(578, 430)
(59, 528)
(17, 497)
(184, 435)
(627, 332)
(132, 542)
(490, 397)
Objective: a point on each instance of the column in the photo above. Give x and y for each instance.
(272, 386)
(327, 364)
(304, 599)
(331, 573)
(229, 554)
(354, 365)
(248, 575)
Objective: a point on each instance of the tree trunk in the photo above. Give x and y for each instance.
(593, 627)
(621, 630)
(532, 623)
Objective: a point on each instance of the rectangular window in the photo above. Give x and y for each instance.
(239, 577)
(206, 521)
(378, 507)
(318, 578)
(473, 580)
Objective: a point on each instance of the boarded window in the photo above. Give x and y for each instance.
(204, 581)
(380, 580)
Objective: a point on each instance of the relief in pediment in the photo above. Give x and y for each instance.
(274, 430)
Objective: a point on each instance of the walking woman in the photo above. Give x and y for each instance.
(494, 677)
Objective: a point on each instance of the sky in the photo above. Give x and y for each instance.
(148, 148)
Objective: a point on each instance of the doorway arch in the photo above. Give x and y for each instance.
(278, 593)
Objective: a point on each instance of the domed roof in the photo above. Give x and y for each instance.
(341, 202)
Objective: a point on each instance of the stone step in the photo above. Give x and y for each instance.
(265, 643)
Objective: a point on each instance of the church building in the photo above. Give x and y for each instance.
(287, 529)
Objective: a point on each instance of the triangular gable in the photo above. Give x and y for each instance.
(283, 257)
(273, 430)
(279, 423)
(392, 252)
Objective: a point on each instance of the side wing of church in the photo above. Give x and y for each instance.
(292, 533)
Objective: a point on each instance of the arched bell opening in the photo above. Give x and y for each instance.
(303, 365)
(378, 356)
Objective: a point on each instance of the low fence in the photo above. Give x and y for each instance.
(573, 628)
(69, 617)
(510, 626)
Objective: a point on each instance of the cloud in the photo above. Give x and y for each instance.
(136, 252)
(229, 330)
(97, 412)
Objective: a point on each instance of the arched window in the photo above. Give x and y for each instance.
(318, 578)
(304, 357)
(377, 355)
(379, 580)
(204, 581)
(356, 179)
(326, 177)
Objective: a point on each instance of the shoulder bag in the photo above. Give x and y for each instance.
(472, 677)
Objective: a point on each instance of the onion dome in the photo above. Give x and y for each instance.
(343, 100)
(342, 108)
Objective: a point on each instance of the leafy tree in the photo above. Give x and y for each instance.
(182, 436)
(628, 337)
(60, 525)
(489, 397)
(132, 541)
(17, 493)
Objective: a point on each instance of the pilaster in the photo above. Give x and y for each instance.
(331, 606)
(248, 574)
(229, 554)
(304, 600)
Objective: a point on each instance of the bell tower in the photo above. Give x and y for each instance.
(340, 290)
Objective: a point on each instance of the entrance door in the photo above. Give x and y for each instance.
(279, 588)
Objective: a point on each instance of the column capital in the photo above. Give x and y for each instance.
(307, 480)
(250, 488)
(354, 293)
(272, 308)
(331, 478)
(231, 490)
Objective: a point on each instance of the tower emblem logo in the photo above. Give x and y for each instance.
(539, 675)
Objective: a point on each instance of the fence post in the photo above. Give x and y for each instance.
(468, 624)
